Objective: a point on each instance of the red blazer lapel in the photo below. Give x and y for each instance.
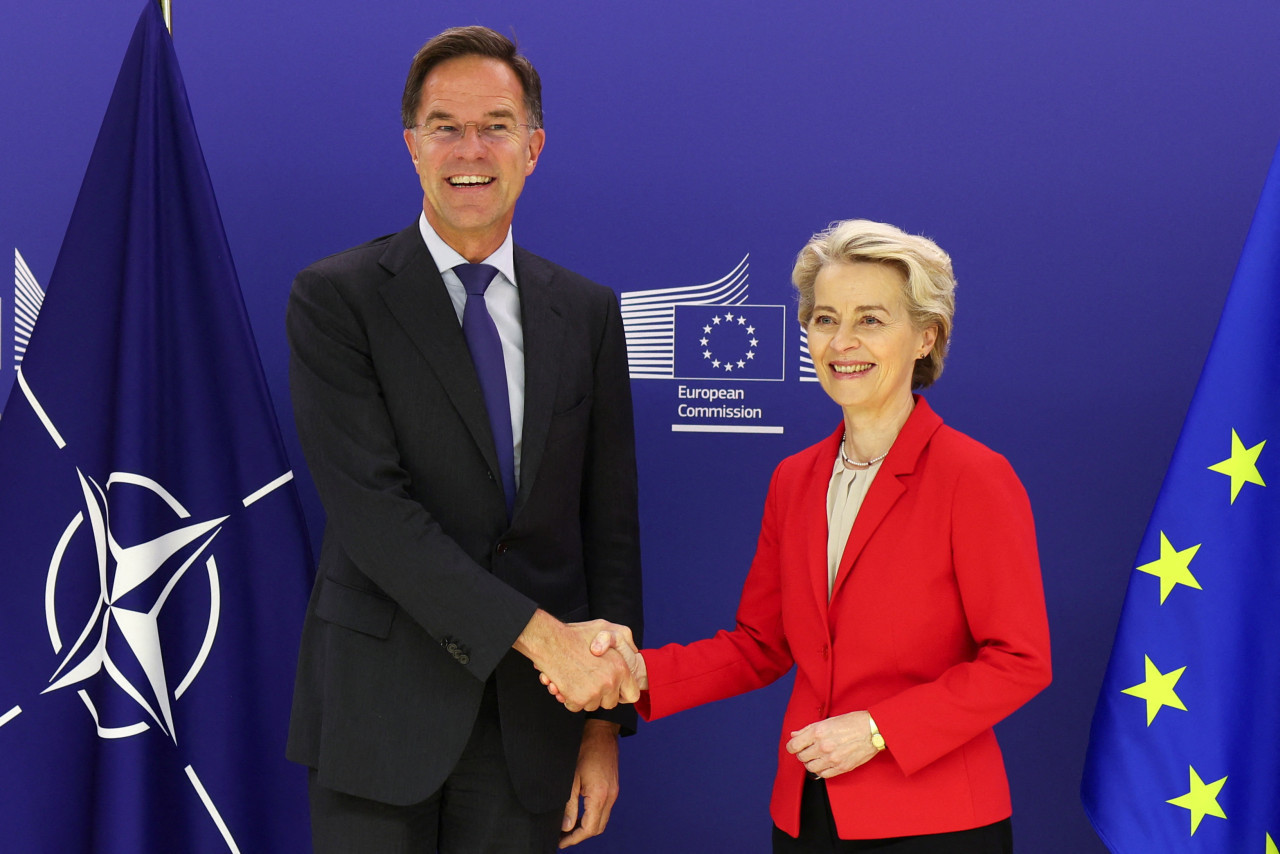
(888, 486)
(814, 512)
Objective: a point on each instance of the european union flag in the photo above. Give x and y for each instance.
(730, 342)
(154, 561)
(1184, 755)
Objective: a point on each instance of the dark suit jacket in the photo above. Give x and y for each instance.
(936, 626)
(423, 585)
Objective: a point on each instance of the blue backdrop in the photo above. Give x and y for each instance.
(1092, 168)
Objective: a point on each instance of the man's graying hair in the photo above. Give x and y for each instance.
(470, 41)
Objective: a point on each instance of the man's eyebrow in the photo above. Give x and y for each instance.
(496, 113)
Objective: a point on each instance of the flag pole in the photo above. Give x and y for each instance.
(167, 11)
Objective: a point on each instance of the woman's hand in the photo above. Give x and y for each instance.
(834, 746)
(611, 637)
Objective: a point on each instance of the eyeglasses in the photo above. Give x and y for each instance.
(448, 132)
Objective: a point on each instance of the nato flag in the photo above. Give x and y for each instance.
(154, 557)
(1184, 755)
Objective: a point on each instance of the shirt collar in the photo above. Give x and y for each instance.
(447, 257)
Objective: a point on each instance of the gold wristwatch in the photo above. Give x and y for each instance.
(877, 740)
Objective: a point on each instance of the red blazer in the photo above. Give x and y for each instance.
(936, 626)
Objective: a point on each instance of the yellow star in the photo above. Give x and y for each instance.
(1241, 466)
(1173, 567)
(1202, 800)
(1271, 845)
(1157, 690)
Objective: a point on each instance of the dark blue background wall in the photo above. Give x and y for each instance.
(1092, 167)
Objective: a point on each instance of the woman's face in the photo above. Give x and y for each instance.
(862, 341)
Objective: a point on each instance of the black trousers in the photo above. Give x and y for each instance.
(475, 812)
(818, 834)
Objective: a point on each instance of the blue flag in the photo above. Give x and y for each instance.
(1184, 754)
(152, 546)
(730, 342)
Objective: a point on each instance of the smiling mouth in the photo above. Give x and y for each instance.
(469, 180)
(852, 369)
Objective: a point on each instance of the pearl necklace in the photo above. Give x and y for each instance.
(844, 458)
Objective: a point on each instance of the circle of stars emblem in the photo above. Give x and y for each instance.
(731, 334)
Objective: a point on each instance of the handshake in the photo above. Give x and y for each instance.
(585, 666)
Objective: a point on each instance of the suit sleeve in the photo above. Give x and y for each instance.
(997, 569)
(610, 515)
(754, 654)
(350, 446)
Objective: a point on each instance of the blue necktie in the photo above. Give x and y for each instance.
(491, 368)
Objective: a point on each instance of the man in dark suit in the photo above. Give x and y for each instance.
(465, 410)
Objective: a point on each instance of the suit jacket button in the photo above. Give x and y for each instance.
(490, 475)
(464, 659)
(502, 548)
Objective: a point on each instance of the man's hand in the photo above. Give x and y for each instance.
(595, 781)
(616, 639)
(834, 746)
(562, 653)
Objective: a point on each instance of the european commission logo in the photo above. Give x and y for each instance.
(704, 332)
(808, 374)
(19, 315)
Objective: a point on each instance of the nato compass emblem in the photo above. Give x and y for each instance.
(116, 629)
(132, 551)
(707, 332)
(132, 599)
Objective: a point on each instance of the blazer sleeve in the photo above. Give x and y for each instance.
(350, 445)
(997, 569)
(754, 654)
(610, 518)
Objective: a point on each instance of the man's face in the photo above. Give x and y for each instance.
(470, 185)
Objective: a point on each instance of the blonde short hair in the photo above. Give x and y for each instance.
(929, 285)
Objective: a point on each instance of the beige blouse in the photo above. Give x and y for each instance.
(844, 498)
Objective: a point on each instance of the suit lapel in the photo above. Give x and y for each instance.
(888, 487)
(418, 300)
(815, 511)
(544, 329)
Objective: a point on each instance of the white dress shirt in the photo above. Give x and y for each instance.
(503, 301)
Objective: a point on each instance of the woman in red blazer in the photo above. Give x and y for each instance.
(896, 569)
